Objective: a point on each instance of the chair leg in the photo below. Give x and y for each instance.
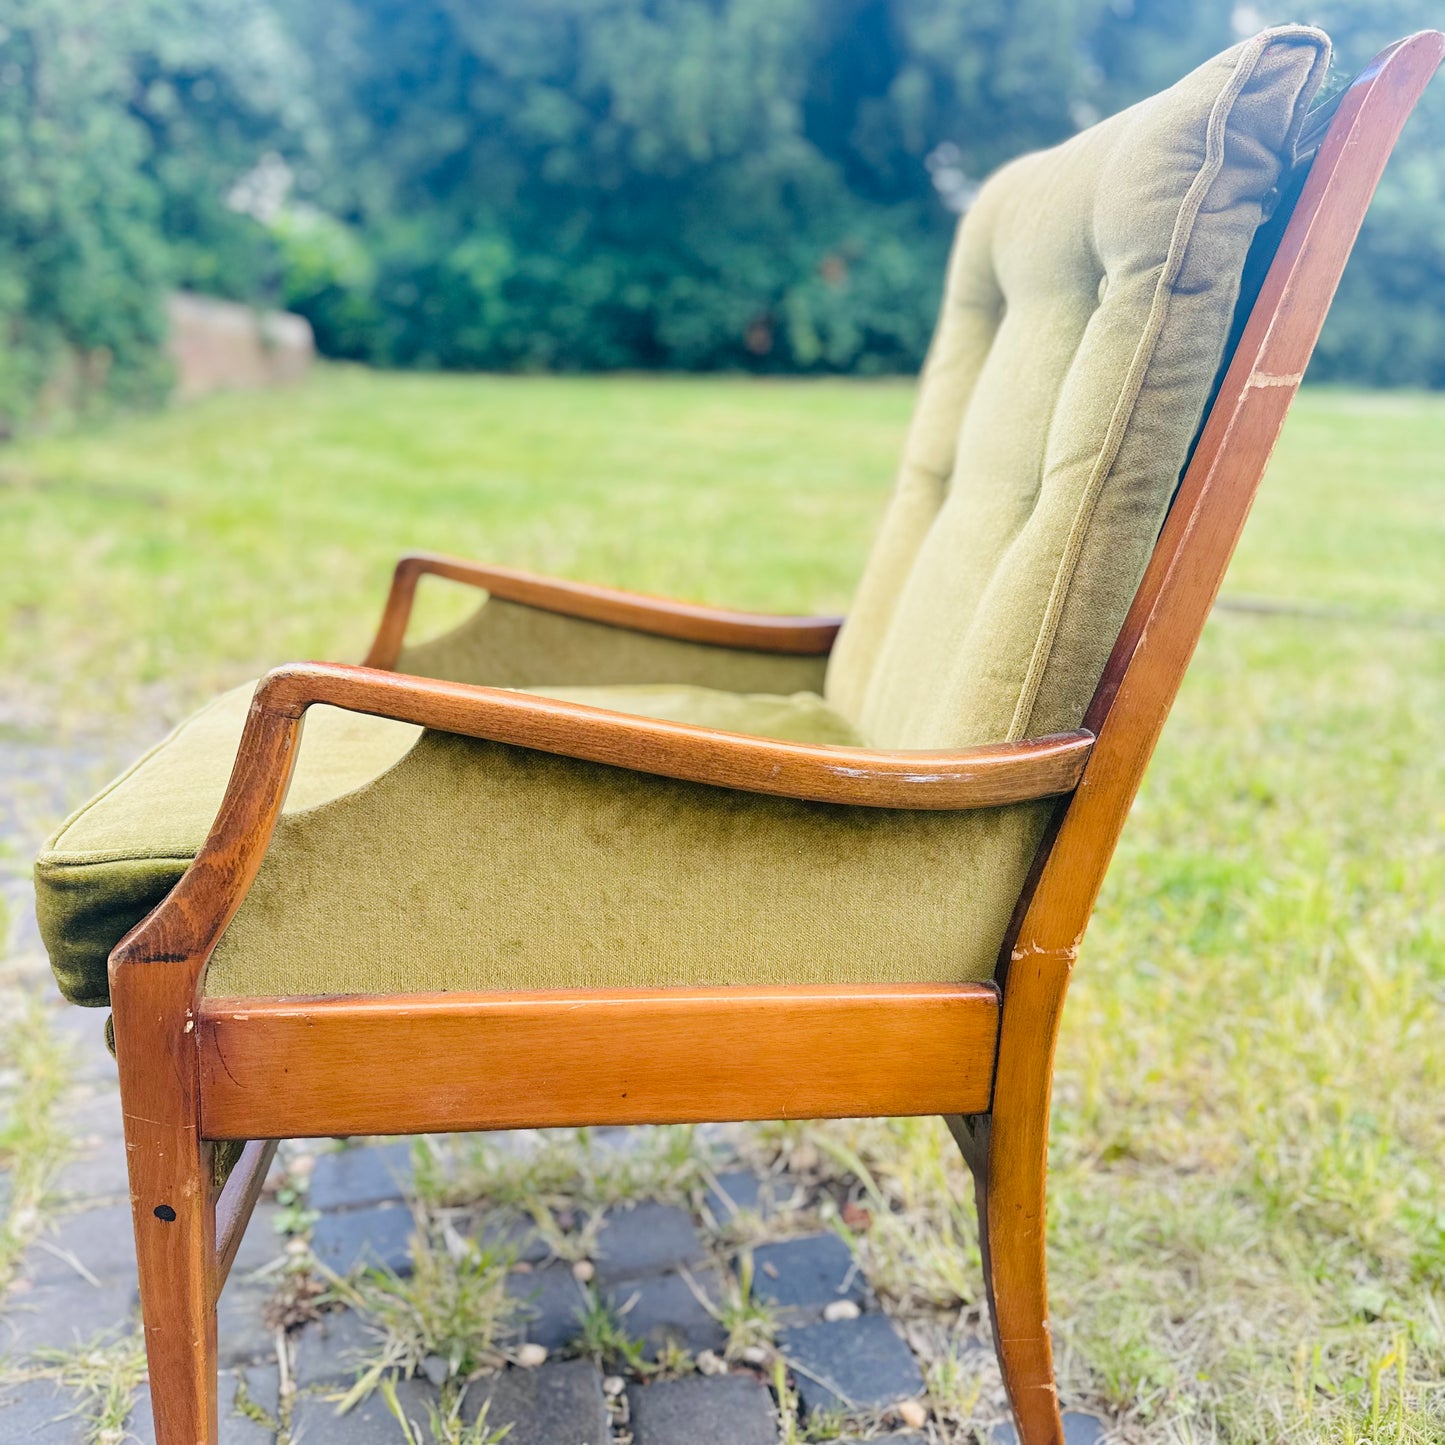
(1011, 1240)
(173, 1208)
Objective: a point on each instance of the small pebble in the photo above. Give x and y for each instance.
(436, 1370)
(913, 1414)
(841, 1309)
(755, 1355)
(710, 1363)
(529, 1356)
(613, 1385)
(583, 1271)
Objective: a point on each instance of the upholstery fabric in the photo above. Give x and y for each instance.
(478, 865)
(111, 862)
(115, 859)
(504, 644)
(1086, 309)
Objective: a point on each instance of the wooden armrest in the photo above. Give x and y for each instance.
(660, 616)
(980, 777)
(186, 925)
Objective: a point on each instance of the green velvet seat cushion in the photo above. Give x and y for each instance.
(119, 855)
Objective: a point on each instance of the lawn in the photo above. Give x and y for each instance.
(1248, 1227)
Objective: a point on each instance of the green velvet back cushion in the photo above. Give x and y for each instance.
(1085, 315)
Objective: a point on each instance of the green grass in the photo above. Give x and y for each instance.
(1248, 1226)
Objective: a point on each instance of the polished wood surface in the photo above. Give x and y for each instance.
(635, 611)
(428, 1063)
(986, 776)
(1137, 690)
(193, 1067)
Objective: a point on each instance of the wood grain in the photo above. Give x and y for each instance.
(425, 1063)
(987, 776)
(235, 1205)
(634, 611)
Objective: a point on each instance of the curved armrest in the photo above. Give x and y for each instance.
(686, 621)
(987, 776)
(186, 926)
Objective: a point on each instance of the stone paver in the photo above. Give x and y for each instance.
(662, 1309)
(241, 1324)
(807, 1274)
(552, 1303)
(377, 1235)
(260, 1245)
(98, 1242)
(510, 1232)
(738, 1191)
(328, 1351)
(98, 1168)
(863, 1362)
(646, 1240)
(39, 1413)
(558, 1404)
(352, 1178)
(695, 1410)
(65, 1314)
(314, 1420)
(1078, 1430)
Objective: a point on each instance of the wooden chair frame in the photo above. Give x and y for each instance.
(196, 1069)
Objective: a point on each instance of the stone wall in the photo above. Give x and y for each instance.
(222, 346)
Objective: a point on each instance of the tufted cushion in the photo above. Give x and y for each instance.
(1085, 314)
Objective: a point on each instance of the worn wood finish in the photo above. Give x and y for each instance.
(987, 776)
(635, 611)
(172, 1209)
(428, 1063)
(235, 1204)
(192, 1067)
(1138, 689)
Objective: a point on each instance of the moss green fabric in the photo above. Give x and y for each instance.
(477, 865)
(1086, 310)
(504, 644)
(115, 859)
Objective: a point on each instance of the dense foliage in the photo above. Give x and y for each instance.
(582, 184)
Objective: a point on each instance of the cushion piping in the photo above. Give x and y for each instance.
(1124, 409)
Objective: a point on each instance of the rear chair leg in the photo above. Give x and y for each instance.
(172, 1203)
(1011, 1239)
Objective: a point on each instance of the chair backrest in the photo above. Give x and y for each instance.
(1088, 303)
(1325, 203)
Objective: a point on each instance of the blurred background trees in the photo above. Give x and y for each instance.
(579, 184)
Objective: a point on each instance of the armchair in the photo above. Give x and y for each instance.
(722, 842)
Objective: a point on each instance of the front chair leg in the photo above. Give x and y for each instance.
(1011, 1241)
(172, 1202)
